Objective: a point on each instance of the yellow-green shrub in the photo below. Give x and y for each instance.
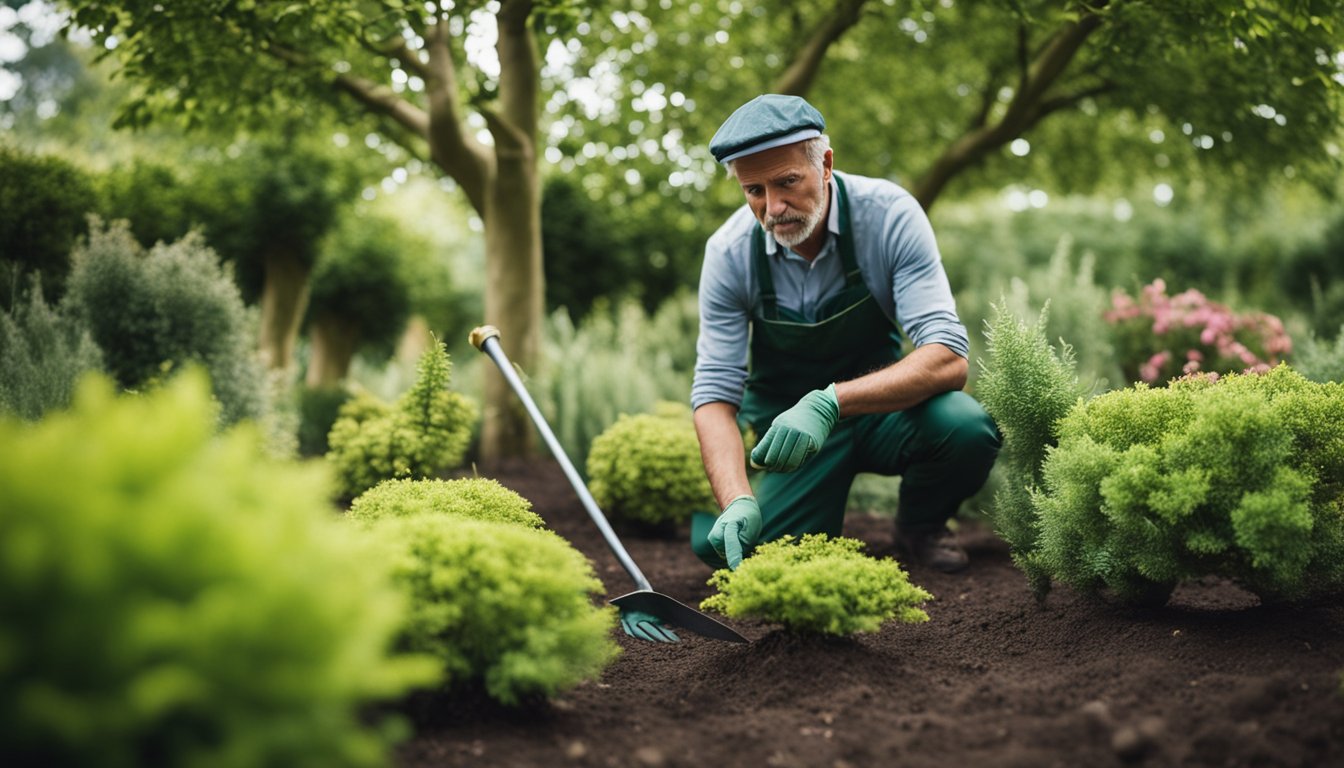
(172, 597)
(818, 585)
(1241, 478)
(647, 468)
(470, 498)
(426, 431)
(503, 606)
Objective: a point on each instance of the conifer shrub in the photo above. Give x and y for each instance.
(818, 585)
(43, 352)
(502, 606)
(152, 312)
(426, 431)
(1027, 386)
(474, 498)
(173, 597)
(317, 409)
(647, 468)
(1242, 478)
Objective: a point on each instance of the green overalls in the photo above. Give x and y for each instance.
(943, 448)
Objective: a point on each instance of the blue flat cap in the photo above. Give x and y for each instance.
(763, 123)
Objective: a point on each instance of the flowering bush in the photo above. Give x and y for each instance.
(1160, 337)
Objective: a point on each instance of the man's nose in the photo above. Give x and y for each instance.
(775, 204)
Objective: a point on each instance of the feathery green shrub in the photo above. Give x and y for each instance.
(172, 597)
(154, 311)
(1241, 478)
(426, 431)
(818, 585)
(1027, 387)
(628, 361)
(43, 352)
(474, 498)
(502, 606)
(1320, 360)
(647, 468)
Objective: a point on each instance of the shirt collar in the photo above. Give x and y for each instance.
(832, 222)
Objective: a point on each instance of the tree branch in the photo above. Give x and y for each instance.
(1029, 106)
(514, 124)
(797, 78)
(451, 147)
(378, 98)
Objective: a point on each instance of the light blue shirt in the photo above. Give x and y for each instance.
(896, 252)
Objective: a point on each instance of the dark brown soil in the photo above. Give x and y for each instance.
(992, 679)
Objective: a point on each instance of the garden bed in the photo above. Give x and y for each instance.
(1212, 679)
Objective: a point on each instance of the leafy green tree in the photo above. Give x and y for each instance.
(1094, 90)
(360, 295)
(396, 64)
(43, 204)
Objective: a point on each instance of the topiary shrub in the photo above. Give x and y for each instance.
(502, 606)
(647, 468)
(818, 585)
(468, 498)
(43, 204)
(1027, 387)
(1241, 478)
(43, 352)
(175, 598)
(427, 431)
(153, 311)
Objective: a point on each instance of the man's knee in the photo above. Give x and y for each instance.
(970, 436)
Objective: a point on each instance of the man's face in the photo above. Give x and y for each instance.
(787, 193)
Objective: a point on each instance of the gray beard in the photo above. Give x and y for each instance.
(810, 221)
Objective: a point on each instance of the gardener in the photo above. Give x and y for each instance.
(816, 276)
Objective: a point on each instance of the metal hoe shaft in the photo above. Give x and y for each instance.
(488, 342)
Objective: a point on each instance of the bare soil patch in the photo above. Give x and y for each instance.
(1212, 679)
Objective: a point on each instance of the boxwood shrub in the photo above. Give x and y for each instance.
(818, 585)
(647, 468)
(470, 498)
(503, 606)
(425, 432)
(172, 597)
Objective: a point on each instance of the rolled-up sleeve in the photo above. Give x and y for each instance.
(725, 303)
(925, 308)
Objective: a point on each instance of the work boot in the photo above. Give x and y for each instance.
(937, 549)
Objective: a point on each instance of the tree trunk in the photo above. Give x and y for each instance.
(284, 297)
(333, 340)
(513, 301)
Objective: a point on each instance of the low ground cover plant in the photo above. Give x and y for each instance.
(1160, 337)
(468, 498)
(818, 585)
(502, 606)
(173, 597)
(426, 431)
(647, 467)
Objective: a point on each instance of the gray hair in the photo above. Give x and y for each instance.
(816, 154)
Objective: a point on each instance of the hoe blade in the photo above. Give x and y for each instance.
(677, 614)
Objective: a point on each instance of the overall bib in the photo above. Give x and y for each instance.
(943, 447)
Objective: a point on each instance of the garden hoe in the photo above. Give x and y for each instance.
(669, 611)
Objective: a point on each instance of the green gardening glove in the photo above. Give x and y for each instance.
(798, 433)
(646, 626)
(736, 530)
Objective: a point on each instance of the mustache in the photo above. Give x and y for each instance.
(788, 218)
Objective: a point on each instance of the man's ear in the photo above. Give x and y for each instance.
(827, 162)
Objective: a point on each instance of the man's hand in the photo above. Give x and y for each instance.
(798, 433)
(736, 530)
(646, 626)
